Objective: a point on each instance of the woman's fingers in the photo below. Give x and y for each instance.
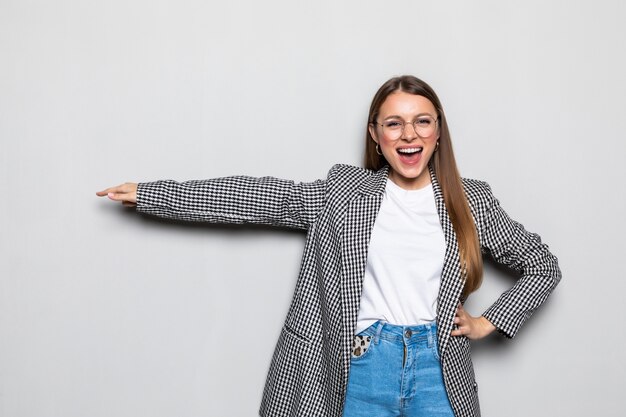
(126, 193)
(109, 190)
(464, 322)
(459, 320)
(461, 315)
(456, 332)
(117, 189)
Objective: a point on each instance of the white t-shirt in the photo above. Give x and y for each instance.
(404, 260)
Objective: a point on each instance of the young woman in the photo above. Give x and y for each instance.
(377, 326)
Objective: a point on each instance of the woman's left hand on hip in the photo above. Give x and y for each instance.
(471, 327)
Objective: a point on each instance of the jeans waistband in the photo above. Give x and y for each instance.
(402, 334)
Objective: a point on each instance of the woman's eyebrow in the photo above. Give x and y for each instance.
(395, 116)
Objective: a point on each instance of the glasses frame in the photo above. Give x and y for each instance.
(404, 123)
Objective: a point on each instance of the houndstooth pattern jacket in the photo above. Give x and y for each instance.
(309, 370)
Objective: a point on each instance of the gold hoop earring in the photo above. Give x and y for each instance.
(378, 150)
(437, 146)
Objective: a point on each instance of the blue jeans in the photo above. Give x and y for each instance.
(396, 371)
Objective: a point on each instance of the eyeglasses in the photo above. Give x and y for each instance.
(424, 127)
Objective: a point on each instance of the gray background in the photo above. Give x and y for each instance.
(107, 313)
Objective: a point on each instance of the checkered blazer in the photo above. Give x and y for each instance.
(309, 370)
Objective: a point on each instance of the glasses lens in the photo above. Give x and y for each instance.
(393, 129)
(425, 126)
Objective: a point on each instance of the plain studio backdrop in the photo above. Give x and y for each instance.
(104, 312)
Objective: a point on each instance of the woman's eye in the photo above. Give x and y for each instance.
(392, 124)
(423, 122)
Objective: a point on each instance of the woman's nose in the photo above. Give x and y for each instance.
(409, 132)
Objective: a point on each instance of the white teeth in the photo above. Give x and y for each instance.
(409, 150)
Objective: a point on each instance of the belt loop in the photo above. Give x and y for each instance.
(430, 335)
(379, 329)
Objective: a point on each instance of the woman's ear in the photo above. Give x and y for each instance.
(372, 130)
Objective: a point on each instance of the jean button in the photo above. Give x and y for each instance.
(408, 334)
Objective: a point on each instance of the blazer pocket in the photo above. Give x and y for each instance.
(290, 332)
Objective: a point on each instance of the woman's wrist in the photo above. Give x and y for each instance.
(486, 325)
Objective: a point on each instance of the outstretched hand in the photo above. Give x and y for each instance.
(126, 193)
(472, 327)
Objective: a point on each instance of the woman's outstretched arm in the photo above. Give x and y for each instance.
(235, 200)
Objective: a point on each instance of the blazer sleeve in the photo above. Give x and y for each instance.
(510, 244)
(234, 200)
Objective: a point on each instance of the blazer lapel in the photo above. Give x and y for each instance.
(361, 214)
(452, 282)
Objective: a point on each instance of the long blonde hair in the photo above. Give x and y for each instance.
(444, 166)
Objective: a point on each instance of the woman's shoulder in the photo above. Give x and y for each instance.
(353, 174)
(349, 180)
(472, 185)
(346, 169)
(478, 192)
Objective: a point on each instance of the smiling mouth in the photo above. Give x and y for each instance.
(410, 151)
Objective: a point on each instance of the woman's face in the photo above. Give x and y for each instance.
(408, 155)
